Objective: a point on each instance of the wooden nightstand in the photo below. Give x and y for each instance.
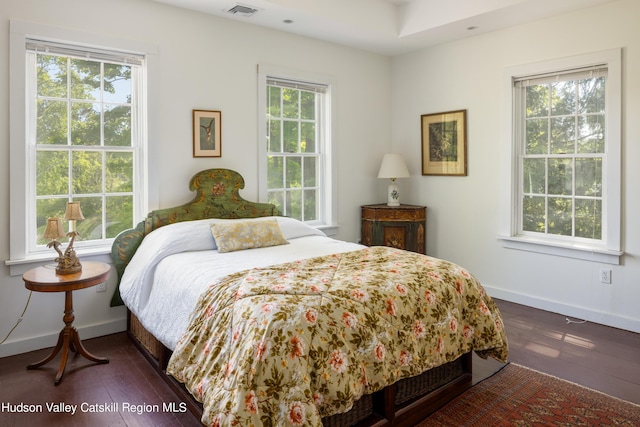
(402, 227)
(45, 279)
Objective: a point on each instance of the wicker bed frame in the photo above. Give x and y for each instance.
(404, 403)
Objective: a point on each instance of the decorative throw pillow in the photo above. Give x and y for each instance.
(236, 236)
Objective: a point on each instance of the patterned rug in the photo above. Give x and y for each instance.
(519, 396)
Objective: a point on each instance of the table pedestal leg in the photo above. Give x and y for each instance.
(52, 355)
(68, 340)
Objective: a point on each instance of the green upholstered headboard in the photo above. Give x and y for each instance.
(217, 196)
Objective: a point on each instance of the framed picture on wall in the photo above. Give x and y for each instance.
(444, 143)
(207, 133)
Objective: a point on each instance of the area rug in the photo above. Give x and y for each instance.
(519, 396)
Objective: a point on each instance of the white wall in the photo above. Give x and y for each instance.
(464, 212)
(203, 62)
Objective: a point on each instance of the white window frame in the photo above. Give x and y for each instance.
(608, 250)
(327, 211)
(22, 257)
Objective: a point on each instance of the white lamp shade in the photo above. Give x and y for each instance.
(393, 167)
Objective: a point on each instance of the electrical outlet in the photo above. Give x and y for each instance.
(605, 275)
(102, 287)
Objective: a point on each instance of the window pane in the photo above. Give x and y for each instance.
(560, 216)
(290, 103)
(117, 125)
(273, 101)
(310, 203)
(563, 98)
(308, 107)
(294, 172)
(119, 215)
(294, 204)
(308, 137)
(310, 172)
(49, 208)
(537, 101)
(52, 173)
(275, 172)
(589, 177)
(533, 214)
(277, 198)
(589, 219)
(591, 95)
(51, 122)
(274, 136)
(537, 138)
(117, 83)
(85, 123)
(291, 137)
(85, 79)
(90, 228)
(563, 134)
(534, 176)
(591, 134)
(51, 76)
(87, 172)
(119, 173)
(560, 177)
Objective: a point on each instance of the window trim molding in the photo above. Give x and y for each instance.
(329, 174)
(611, 251)
(19, 32)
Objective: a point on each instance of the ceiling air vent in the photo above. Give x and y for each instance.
(241, 10)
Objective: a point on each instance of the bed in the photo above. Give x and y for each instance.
(258, 319)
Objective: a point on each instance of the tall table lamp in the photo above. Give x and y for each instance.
(393, 167)
(68, 262)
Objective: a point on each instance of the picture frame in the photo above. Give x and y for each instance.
(207, 133)
(444, 143)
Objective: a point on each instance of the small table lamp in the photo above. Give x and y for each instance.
(393, 167)
(68, 262)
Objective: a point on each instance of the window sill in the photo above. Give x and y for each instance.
(18, 267)
(328, 229)
(588, 253)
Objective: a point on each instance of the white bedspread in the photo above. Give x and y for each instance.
(175, 263)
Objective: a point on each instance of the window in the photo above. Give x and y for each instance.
(296, 148)
(81, 134)
(78, 134)
(562, 153)
(566, 157)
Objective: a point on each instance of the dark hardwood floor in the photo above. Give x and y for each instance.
(596, 356)
(599, 357)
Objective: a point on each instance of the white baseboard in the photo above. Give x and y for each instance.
(43, 341)
(577, 312)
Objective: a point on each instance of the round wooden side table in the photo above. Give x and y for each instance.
(45, 279)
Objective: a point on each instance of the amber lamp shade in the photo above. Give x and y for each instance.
(54, 229)
(72, 214)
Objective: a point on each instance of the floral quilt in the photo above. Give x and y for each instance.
(295, 342)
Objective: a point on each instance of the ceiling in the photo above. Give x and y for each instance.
(388, 27)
